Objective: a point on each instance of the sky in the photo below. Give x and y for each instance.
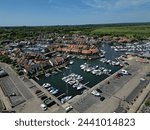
(72, 12)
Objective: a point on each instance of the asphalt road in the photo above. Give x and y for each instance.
(25, 92)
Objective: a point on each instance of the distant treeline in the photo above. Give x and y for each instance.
(130, 30)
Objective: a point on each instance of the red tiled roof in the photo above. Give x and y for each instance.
(94, 51)
(78, 49)
(86, 52)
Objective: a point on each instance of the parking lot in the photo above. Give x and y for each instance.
(11, 91)
(19, 84)
(118, 89)
(135, 93)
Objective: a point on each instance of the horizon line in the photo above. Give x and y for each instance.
(115, 23)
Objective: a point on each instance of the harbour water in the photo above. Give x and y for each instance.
(56, 79)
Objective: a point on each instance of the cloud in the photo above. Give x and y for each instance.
(114, 3)
(126, 3)
(96, 3)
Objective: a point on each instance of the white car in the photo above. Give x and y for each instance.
(44, 107)
(124, 72)
(69, 108)
(142, 79)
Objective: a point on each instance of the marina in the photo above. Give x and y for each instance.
(137, 47)
(79, 79)
(81, 83)
(82, 75)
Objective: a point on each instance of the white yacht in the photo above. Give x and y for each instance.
(72, 78)
(71, 62)
(46, 85)
(80, 86)
(55, 91)
(65, 99)
(67, 67)
(75, 85)
(47, 74)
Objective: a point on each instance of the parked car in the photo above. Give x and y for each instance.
(69, 108)
(37, 91)
(44, 107)
(13, 94)
(142, 79)
(102, 98)
(43, 97)
(148, 75)
(100, 91)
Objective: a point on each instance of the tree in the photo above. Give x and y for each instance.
(5, 59)
(147, 103)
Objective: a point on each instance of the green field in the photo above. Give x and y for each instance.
(129, 31)
(132, 29)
